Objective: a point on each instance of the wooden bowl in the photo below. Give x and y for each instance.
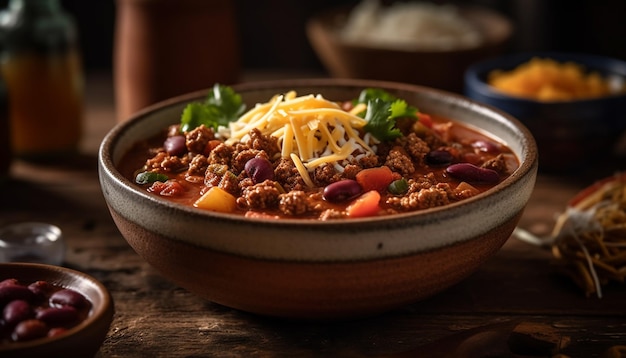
(438, 69)
(318, 270)
(80, 341)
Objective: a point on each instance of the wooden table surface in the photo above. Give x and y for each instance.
(154, 318)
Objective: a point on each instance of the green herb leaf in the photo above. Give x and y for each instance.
(398, 187)
(221, 106)
(373, 93)
(378, 123)
(382, 110)
(150, 177)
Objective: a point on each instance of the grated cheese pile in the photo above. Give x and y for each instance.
(311, 131)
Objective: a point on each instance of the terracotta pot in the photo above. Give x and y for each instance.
(166, 48)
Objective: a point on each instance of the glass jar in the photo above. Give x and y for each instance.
(41, 66)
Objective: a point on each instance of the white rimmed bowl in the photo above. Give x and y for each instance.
(316, 270)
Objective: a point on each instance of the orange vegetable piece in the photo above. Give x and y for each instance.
(374, 178)
(365, 205)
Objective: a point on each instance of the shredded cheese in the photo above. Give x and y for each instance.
(311, 131)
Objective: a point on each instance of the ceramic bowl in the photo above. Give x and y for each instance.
(84, 339)
(441, 69)
(570, 135)
(318, 270)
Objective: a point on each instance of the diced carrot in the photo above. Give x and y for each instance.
(374, 178)
(216, 199)
(365, 205)
(169, 188)
(425, 119)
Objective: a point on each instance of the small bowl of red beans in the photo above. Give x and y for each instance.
(317, 199)
(51, 311)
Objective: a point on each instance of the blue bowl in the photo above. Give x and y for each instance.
(569, 134)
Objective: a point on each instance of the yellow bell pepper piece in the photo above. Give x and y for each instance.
(216, 199)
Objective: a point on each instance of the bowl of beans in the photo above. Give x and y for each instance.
(51, 311)
(317, 199)
(574, 104)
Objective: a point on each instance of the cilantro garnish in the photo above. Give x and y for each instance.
(382, 111)
(221, 106)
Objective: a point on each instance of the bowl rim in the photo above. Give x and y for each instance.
(475, 74)
(107, 166)
(322, 21)
(97, 314)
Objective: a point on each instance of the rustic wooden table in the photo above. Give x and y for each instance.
(154, 318)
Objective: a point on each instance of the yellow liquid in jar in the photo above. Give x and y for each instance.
(45, 96)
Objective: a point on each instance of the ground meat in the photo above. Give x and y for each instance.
(417, 148)
(288, 176)
(221, 154)
(325, 174)
(350, 171)
(268, 144)
(426, 198)
(198, 165)
(167, 163)
(198, 138)
(214, 173)
(331, 214)
(293, 203)
(173, 130)
(498, 164)
(400, 162)
(230, 183)
(264, 195)
(369, 161)
(423, 182)
(241, 158)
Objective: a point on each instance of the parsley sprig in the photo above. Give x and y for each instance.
(383, 109)
(221, 106)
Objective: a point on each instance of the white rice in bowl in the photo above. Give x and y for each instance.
(410, 26)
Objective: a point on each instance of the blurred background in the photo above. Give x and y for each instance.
(272, 32)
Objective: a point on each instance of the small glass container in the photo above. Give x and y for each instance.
(41, 65)
(32, 242)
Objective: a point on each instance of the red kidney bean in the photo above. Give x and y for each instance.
(259, 170)
(175, 145)
(56, 317)
(9, 281)
(11, 292)
(486, 146)
(439, 157)
(472, 173)
(17, 311)
(38, 309)
(67, 297)
(29, 329)
(342, 190)
(41, 289)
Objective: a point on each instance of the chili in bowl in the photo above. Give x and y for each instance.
(304, 198)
